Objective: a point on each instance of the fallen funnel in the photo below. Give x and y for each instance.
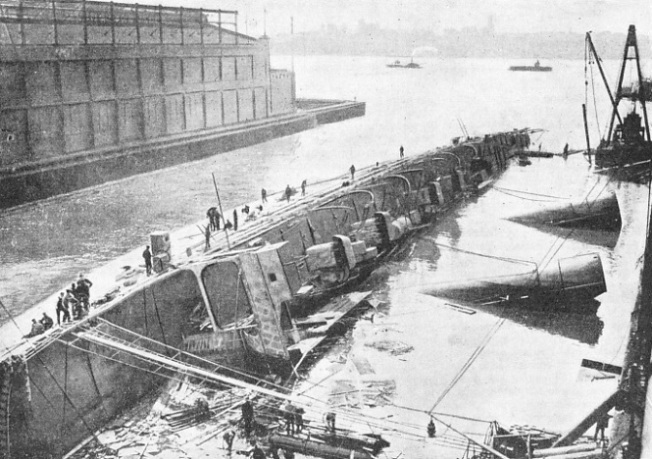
(315, 448)
(569, 280)
(599, 213)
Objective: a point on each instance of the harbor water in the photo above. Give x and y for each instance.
(525, 365)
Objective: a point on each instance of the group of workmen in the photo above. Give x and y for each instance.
(293, 419)
(289, 191)
(73, 304)
(248, 423)
(215, 219)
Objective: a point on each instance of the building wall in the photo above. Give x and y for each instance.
(77, 95)
(283, 92)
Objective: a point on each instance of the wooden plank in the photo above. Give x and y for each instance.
(600, 366)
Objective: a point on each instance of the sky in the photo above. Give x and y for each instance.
(578, 16)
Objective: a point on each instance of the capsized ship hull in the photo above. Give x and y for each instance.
(263, 296)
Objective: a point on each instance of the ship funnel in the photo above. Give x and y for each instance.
(599, 213)
(580, 277)
(565, 281)
(161, 250)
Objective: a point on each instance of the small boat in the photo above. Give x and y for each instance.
(537, 67)
(524, 160)
(411, 65)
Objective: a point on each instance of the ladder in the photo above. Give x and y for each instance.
(162, 362)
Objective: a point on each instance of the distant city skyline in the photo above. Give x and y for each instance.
(518, 16)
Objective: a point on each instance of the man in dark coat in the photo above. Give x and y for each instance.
(70, 302)
(213, 218)
(61, 309)
(235, 220)
(47, 321)
(247, 416)
(84, 290)
(298, 419)
(600, 426)
(228, 438)
(256, 452)
(207, 237)
(288, 416)
(330, 422)
(37, 329)
(147, 256)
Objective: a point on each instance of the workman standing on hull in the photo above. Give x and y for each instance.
(62, 310)
(288, 416)
(84, 291)
(256, 452)
(147, 256)
(247, 416)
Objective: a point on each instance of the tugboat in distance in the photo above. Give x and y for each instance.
(537, 67)
(411, 65)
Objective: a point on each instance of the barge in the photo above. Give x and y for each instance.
(95, 91)
(537, 67)
(270, 291)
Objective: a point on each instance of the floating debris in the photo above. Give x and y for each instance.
(391, 346)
